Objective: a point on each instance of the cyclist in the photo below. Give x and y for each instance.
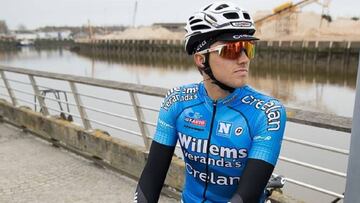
(230, 134)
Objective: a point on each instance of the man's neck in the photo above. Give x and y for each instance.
(214, 91)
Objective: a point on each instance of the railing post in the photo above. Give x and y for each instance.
(10, 91)
(41, 100)
(353, 172)
(80, 107)
(139, 120)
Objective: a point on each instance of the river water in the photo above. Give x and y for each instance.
(296, 86)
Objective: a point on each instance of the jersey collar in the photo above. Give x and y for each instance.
(227, 101)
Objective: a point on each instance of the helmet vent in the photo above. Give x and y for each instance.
(207, 7)
(211, 17)
(195, 21)
(231, 15)
(221, 7)
(246, 16)
(200, 27)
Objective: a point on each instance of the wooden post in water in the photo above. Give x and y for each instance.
(315, 55)
(331, 43)
(305, 50)
(353, 172)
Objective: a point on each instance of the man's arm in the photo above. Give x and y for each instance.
(154, 174)
(253, 181)
(263, 154)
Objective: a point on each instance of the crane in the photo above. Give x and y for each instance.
(288, 9)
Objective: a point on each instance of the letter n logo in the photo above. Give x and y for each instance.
(223, 129)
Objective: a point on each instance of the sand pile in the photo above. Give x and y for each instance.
(144, 33)
(308, 26)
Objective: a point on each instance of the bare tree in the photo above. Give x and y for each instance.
(3, 27)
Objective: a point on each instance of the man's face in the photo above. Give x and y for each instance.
(233, 73)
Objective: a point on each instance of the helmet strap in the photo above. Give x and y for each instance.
(208, 71)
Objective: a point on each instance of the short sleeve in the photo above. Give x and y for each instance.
(166, 125)
(268, 132)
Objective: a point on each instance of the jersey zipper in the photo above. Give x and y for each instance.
(207, 150)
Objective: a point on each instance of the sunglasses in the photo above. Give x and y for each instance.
(233, 50)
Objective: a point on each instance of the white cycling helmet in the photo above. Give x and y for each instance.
(215, 19)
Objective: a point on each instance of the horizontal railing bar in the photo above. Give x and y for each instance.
(318, 168)
(149, 108)
(149, 123)
(73, 104)
(50, 88)
(45, 97)
(101, 111)
(318, 146)
(94, 97)
(114, 127)
(57, 100)
(117, 102)
(104, 112)
(26, 101)
(108, 113)
(18, 81)
(57, 110)
(90, 96)
(24, 92)
(317, 119)
(107, 100)
(4, 95)
(137, 88)
(309, 186)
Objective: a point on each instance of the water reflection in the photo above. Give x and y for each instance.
(338, 69)
(265, 65)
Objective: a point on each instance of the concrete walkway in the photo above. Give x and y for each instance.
(32, 170)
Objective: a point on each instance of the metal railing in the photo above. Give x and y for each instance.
(294, 115)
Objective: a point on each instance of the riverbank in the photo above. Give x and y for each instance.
(38, 43)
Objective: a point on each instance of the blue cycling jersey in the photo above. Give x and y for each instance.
(217, 137)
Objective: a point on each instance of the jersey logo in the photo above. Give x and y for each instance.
(238, 131)
(194, 121)
(194, 118)
(223, 129)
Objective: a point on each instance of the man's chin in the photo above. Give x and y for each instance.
(240, 84)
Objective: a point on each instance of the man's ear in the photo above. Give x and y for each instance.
(199, 60)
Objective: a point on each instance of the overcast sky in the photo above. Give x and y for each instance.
(35, 13)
